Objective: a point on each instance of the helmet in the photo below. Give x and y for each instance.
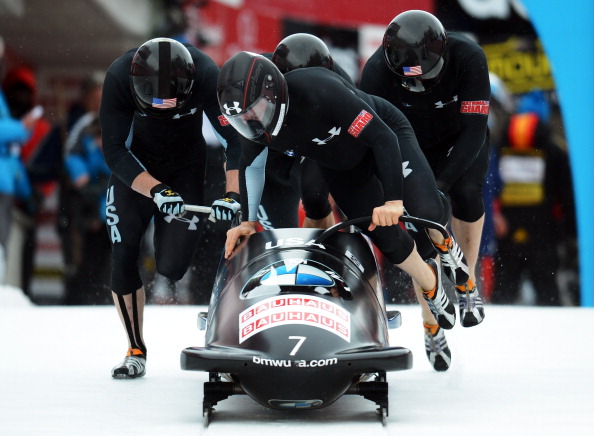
(301, 50)
(253, 96)
(415, 46)
(161, 76)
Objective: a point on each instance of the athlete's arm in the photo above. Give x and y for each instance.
(116, 115)
(251, 179)
(474, 96)
(252, 175)
(360, 121)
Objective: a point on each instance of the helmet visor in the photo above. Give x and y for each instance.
(425, 81)
(257, 122)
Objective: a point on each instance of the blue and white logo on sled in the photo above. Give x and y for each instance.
(286, 281)
(296, 273)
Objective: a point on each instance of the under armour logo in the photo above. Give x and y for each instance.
(191, 222)
(191, 112)
(333, 132)
(406, 171)
(439, 104)
(235, 108)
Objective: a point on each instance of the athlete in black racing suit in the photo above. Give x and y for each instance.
(359, 156)
(440, 81)
(151, 122)
(291, 178)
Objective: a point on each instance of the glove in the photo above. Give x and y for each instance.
(167, 200)
(225, 208)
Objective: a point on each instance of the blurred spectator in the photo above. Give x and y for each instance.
(536, 208)
(501, 108)
(13, 178)
(70, 214)
(40, 158)
(88, 176)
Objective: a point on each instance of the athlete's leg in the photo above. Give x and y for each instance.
(176, 239)
(357, 192)
(468, 217)
(128, 215)
(468, 235)
(315, 197)
(131, 310)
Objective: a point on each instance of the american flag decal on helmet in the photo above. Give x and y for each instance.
(164, 103)
(412, 71)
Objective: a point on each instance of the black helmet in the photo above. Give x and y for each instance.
(161, 76)
(253, 96)
(301, 50)
(415, 49)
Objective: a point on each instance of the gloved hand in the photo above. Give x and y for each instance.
(225, 208)
(167, 200)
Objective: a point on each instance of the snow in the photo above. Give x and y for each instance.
(524, 371)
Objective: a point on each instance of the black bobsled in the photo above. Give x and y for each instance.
(296, 320)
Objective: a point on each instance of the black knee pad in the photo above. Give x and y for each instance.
(467, 204)
(394, 243)
(125, 280)
(172, 271)
(424, 245)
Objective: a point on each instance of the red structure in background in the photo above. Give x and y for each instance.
(230, 26)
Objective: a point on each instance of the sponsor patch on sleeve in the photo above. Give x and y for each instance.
(360, 122)
(475, 107)
(223, 120)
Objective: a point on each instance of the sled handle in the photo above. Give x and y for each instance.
(342, 225)
(208, 209)
(199, 209)
(428, 224)
(366, 219)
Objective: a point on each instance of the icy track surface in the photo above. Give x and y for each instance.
(524, 371)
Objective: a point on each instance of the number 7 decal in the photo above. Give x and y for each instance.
(300, 340)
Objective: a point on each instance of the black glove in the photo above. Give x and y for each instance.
(225, 208)
(167, 200)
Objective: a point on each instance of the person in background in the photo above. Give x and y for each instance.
(535, 210)
(40, 157)
(13, 178)
(501, 108)
(440, 81)
(70, 215)
(89, 175)
(151, 113)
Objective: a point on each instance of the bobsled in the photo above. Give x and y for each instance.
(296, 320)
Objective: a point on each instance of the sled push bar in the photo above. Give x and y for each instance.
(428, 224)
(195, 208)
